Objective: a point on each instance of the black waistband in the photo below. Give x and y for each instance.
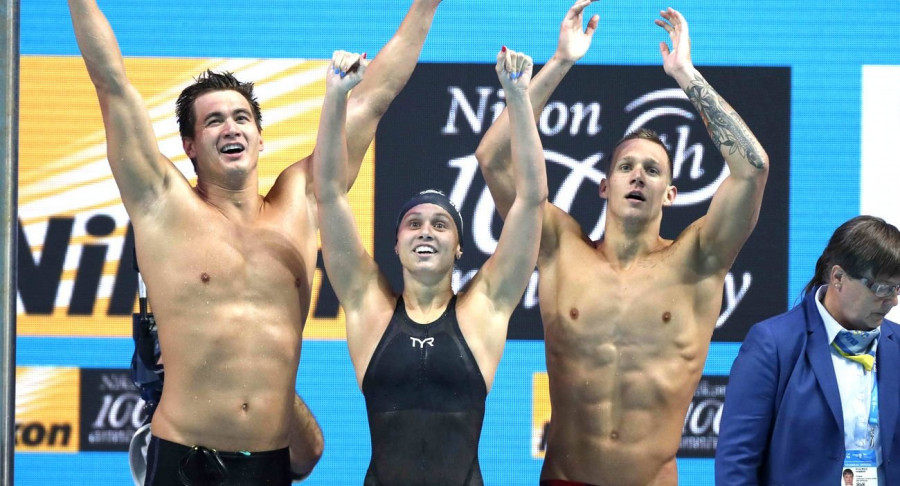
(173, 463)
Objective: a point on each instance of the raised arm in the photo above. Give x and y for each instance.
(138, 167)
(504, 276)
(350, 268)
(385, 78)
(734, 209)
(493, 152)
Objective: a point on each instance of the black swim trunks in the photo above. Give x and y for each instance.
(173, 464)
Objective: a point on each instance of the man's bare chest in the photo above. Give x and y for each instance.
(211, 257)
(592, 301)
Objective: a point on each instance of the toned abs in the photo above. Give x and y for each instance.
(625, 349)
(230, 300)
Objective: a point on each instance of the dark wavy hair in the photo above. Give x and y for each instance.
(207, 82)
(642, 134)
(865, 246)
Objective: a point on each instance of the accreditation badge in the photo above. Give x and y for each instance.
(860, 468)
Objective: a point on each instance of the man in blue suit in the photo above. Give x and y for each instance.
(815, 391)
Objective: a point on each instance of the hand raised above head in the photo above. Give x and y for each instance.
(678, 58)
(345, 70)
(574, 37)
(514, 70)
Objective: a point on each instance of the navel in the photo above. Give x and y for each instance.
(573, 313)
(614, 435)
(297, 282)
(667, 316)
(204, 277)
(245, 406)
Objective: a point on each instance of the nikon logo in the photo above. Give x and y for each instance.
(47, 409)
(36, 434)
(39, 281)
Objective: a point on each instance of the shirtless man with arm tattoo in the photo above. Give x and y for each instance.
(628, 319)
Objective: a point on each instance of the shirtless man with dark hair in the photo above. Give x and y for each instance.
(229, 272)
(628, 319)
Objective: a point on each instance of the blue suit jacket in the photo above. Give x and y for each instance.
(782, 421)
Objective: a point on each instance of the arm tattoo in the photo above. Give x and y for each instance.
(726, 128)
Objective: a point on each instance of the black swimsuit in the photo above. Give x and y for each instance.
(425, 399)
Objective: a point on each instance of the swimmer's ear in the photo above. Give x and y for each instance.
(669, 199)
(187, 144)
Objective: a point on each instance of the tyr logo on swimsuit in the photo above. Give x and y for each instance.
(422, 342)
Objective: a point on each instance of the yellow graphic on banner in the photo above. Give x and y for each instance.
(70, 211)
(540, 414)
(47, 409)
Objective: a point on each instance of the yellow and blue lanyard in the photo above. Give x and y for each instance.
(867, 455)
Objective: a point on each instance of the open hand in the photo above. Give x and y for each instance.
(678, 58)
(574, 38)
